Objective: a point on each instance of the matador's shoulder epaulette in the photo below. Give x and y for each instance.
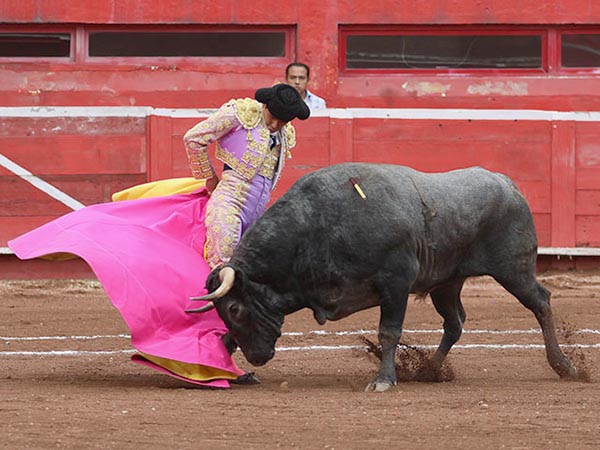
(290, 134)
(248, 111)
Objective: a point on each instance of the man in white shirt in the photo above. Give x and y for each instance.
(297, 75)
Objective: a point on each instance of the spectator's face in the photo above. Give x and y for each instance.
(298, 78)
(273, 123)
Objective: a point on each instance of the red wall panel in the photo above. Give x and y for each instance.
(587, 202)
(587, 231)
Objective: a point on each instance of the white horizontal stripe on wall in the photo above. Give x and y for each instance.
(337, 113)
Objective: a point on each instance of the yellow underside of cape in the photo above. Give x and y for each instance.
(195, 372)
(159, 188)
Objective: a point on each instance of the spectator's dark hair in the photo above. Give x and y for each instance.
(297, 64)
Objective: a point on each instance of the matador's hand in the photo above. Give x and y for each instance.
(211, 184)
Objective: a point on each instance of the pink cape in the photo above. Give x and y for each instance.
(148, 255)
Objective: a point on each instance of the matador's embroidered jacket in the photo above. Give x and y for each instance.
(242, 142)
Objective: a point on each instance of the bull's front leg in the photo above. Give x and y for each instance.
(390, 329)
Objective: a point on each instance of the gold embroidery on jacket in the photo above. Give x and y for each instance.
(248, 112)
(269, 164)
(289, 134)
(198, 137)
(237, 165)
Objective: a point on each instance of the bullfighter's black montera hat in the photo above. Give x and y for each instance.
(284, 102)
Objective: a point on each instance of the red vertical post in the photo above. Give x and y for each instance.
(159, 138)
(563, 184)
(340, 139)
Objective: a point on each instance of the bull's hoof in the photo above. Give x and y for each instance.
(248, 379)
(570, 373)
(574, 374)
(379, 386)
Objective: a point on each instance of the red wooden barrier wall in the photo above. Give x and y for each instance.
(554, 163)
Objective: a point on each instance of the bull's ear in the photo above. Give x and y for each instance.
(213, 281)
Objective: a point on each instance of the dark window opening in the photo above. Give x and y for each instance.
(53, 45)
(444, 51)
(580, 50)
(182, 44)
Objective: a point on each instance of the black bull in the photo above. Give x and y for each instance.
(324, 246)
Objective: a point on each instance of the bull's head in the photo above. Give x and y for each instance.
(243, 306)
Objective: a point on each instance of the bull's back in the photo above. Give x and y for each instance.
(464, 197)
(440, 218)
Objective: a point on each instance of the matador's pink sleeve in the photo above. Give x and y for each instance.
(196, 140)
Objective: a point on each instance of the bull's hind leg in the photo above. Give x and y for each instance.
(446, 300)
(537, 299)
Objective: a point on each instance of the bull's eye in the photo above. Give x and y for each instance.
(234, 310)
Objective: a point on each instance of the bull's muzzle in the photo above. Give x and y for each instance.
(260, 359)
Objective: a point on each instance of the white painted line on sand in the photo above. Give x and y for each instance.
(67, 353)
(433, 347)
(307, 348)
(63, 338)
(301, 333)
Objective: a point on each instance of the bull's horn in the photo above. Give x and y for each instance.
(207, 307)
(227, 277)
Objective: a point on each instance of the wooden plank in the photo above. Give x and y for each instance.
(588, 146)
(60, 126)
(538, 195)
(181, 125)
(315, 150)
(563, 184)
(588, 178)
(482, 131)
(159, 151)
(587, 231)
(11, 227)
(587, 203)
(543, 228)
(76, 154)
(179, 162)
(341, 142)
(12, 268)
(532, 163)
(20, 198)
(23, 199)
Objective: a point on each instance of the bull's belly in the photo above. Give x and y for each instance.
(350, 306)
(335, 305)
(424, 288)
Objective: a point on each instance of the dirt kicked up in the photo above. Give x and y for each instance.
(66, 380)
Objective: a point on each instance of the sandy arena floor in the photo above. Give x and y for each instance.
(504, 394)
